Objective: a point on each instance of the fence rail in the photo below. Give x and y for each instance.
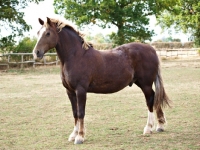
(32, 61)
(181, 53)
(161, 52)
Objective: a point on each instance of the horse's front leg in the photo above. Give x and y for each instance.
(73, 100)
(81, 102)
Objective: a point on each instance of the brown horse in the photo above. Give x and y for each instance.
(84, 69)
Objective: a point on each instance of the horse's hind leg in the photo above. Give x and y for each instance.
(161, 120)
(149, 95)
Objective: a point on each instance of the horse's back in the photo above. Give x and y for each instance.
(140, 51)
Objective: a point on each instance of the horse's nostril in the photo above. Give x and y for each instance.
(38, 52)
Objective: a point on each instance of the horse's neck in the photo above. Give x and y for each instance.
(68, 45)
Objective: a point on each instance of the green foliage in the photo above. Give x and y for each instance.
(25, 46)
(6, 43)
(176, 40)
(170, 39)
(98, 38)
(11, 20)
(130, 16)
(185, 16)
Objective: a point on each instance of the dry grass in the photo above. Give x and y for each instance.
(36, 114)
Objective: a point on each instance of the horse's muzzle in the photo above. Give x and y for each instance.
(38, 54)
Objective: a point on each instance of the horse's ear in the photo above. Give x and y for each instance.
(49, 21)
(41, 21)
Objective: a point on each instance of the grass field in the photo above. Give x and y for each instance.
(35, 112)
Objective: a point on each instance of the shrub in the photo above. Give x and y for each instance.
(171, 45)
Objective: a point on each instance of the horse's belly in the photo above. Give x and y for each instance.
(108, 86)
(111, 78)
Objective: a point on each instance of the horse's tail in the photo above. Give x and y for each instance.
(160, 99)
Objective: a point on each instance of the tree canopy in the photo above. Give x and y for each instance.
(130, 16)
(185, 16)
(11, 19)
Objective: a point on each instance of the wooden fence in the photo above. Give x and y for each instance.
(7, 61)
(168, 53)
(179, 53)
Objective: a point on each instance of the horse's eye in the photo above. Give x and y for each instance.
(48, 33)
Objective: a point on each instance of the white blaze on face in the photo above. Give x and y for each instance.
(39, 37)
(41, 33)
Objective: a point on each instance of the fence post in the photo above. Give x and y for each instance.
(22, 60)
(34, 63)
(8, 61)
(181, 53)
(171, 52)
(44, 61)
(56, 60)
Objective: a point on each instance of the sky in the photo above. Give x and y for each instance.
(45, 9)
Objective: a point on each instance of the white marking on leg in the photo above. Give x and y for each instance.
(79, 139)
(81, 133)
(74, 133)
(150, 123)
(160, 126)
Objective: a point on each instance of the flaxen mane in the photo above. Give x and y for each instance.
(60, 25)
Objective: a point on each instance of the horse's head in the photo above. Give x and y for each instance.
(47, 38)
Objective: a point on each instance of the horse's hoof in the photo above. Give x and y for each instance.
(70, 139)
(160, 130)
(72, 136)
(147, 130)
(78, 140)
